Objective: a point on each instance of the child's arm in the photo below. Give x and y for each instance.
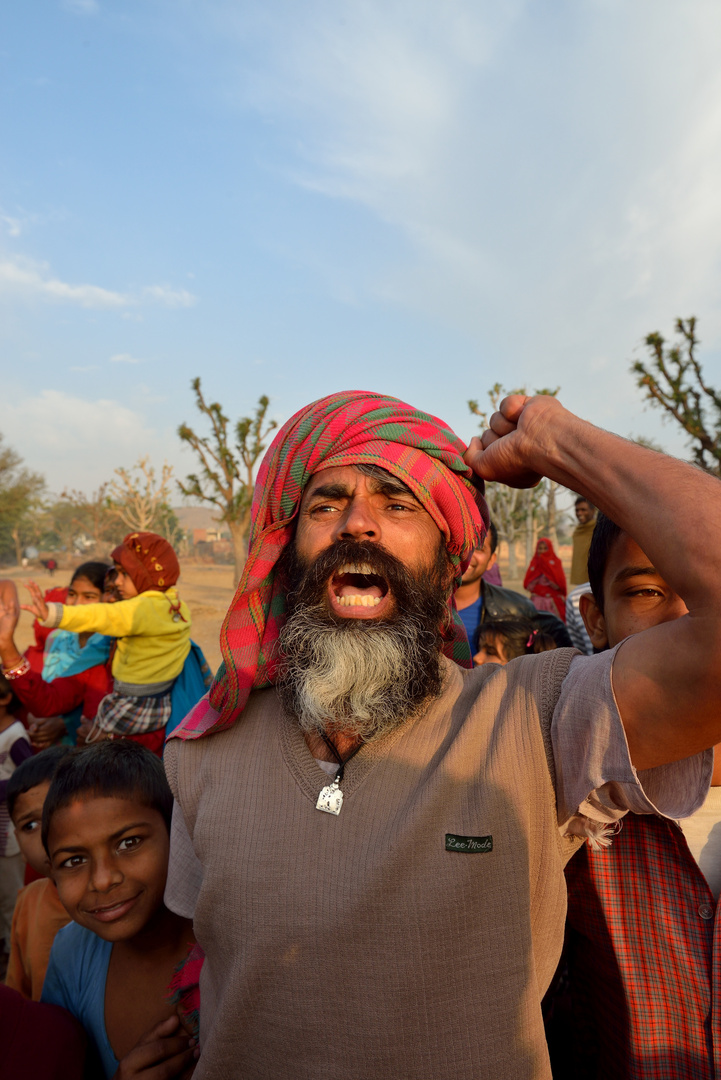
(117, 620)
(162, 1054)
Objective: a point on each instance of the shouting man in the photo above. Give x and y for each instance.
(369, 835)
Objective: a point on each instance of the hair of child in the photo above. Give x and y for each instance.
(582, 498)
(116, 768)
(33, 771)
(603, 538)
(94, 572)
(519, 636)
(493, 536)
(6, 688)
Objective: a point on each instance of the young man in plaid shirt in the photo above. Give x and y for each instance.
(644, 951)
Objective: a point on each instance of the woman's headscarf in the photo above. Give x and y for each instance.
(350, 428)
(546, 563)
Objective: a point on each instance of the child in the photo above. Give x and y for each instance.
(105, 829)
(14, 749)
(38, 911)
(153, 630)
(501, 640)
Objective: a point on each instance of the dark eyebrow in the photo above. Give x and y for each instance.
(635, 571)
(114, 836)
(389, 487)
(330, 491)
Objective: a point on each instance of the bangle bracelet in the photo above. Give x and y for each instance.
(17, 670)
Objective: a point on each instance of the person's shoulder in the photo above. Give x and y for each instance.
(75, 946)
(11, 734)
(504, 601)
(32, 895)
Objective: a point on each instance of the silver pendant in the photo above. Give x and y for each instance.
(176, 616)
(330, 799)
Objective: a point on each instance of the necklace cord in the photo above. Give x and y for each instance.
(341, 763)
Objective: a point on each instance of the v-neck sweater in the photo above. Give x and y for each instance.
(412, 936)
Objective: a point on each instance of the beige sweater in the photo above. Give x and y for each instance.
(413, 936)
(363, 945)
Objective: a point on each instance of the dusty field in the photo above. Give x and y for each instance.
(207, 589)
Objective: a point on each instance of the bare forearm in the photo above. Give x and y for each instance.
(671, 509)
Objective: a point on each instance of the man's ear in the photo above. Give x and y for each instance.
(593, 620)
(491, 561)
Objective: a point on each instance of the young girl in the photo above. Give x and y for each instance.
(546, 581)
(152, 626)
(63, 647)
(501, 640)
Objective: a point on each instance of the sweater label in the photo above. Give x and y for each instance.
(471, 845)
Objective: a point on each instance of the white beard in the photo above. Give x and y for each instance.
(360, 679)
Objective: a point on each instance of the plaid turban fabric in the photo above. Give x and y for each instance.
(351, 428)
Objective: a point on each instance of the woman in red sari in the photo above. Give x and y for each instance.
(546, 581)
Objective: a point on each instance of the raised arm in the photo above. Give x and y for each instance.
(667, 680)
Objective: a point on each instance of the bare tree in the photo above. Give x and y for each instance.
(227, 472)
(138, 499)
(20, 496)
(90, 518)
(673, 379)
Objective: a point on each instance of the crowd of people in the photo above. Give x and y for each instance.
(262, 877)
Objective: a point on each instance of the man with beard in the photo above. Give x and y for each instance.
(369, 836)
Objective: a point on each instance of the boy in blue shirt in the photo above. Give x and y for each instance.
(106, 832)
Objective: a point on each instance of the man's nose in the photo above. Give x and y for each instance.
(358, 522)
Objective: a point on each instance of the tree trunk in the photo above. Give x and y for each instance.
(18, 546)
(551, 513)
(238, 531)
(512, 564)
(530, 530)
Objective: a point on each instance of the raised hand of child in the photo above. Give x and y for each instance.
(161, 1054)
(9, 609)
(37, 607)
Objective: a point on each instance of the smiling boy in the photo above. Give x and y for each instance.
(105, 830)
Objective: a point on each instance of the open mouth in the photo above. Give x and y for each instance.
(355, 585)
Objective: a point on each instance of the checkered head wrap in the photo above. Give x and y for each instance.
(351, 428)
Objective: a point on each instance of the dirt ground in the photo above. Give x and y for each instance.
(207, 589)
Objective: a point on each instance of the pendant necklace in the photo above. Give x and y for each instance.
(330, 799)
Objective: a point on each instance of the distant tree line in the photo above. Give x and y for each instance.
(671, 379)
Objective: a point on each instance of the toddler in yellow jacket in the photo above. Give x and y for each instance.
(152, 627)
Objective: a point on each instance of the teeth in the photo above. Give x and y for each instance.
(356, 568)
(354, 600)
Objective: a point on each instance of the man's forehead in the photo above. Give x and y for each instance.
(345, 479)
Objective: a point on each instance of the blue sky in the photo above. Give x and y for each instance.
(293, 199)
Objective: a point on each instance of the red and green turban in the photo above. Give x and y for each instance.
(344, 429)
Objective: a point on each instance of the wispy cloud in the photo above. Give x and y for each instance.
(125, 358)
(554, 180)
(81, 7)
(164, 294)
(33, 280)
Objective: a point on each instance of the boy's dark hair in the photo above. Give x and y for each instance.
(33, 771)
(493, 533)
(582, 498)
(603, 538)
(114, 767)
(519, 636)
(5, 689)
(94, 571)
